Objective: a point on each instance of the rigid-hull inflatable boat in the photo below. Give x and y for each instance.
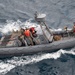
(49, 42)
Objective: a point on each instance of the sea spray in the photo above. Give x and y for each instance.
(5, 67)
(11, 25)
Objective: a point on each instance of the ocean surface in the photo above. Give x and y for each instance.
(18, 13)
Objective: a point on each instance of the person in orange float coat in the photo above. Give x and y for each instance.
(28, 36)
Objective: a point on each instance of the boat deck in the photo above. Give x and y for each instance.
(6, 42)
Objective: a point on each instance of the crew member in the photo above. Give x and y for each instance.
(33, 31)
(28, 36)
(74, 27)
(65, 28)
(21, 37)
(73, 30)
(36, 41)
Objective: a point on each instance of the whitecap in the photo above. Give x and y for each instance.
(5, 67)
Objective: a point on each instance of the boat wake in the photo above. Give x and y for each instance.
(8, 64)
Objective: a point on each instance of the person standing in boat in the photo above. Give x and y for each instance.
(36, 41)
(73, 30)
(21, 37)
(33, 31)
(66, 30)
(28, 36)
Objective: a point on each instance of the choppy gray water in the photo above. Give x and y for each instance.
(59, 13)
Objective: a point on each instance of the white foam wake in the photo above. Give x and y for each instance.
(23, 60)
(5, 67)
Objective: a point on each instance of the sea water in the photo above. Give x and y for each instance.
(56, 63)
(15, 14)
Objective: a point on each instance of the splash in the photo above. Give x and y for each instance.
(11, 25)
(16, 25)
(24, 60)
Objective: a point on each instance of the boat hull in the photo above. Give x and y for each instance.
(51, 47)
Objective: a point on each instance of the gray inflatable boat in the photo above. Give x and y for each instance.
(47, 47)
(48, 43)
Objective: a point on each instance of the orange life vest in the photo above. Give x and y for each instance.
(27, 33)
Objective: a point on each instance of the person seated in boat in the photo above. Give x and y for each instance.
(21, 37)
(73, 30)
(28, 36)
(22, 31)
(33, 31)
(66, 33)
(22, 40)
(65, 28)
(2, 38)
(36, 41)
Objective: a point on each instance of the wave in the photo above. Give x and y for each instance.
(9, 64)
